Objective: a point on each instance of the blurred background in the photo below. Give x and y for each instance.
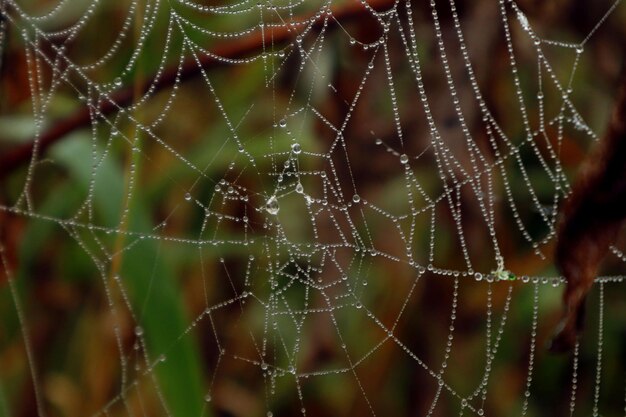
(217, 219)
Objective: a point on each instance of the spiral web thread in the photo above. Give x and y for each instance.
(308, 243)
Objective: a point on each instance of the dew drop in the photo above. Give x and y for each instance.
(523, 20)
(271, 206)
(404, 159)
(296, 149)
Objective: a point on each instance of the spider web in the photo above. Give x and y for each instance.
(368, 223)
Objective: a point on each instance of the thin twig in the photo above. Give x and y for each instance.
(238, 48)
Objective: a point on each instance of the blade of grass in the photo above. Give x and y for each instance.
(164, 318)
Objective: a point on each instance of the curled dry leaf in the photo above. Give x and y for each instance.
(591, 219)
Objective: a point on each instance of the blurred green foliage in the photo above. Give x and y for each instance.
(170, 279)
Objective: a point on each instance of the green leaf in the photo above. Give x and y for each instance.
(148, 278)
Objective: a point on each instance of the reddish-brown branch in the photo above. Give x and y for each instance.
(232, 49)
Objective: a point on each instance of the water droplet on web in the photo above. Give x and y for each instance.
(356, 198)
(187, 196)
(295, 148)
(523, 20)
(404, 159)
(271, 206)
(207, 398)
(282, 123)
(299, 188)
(138, 331)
